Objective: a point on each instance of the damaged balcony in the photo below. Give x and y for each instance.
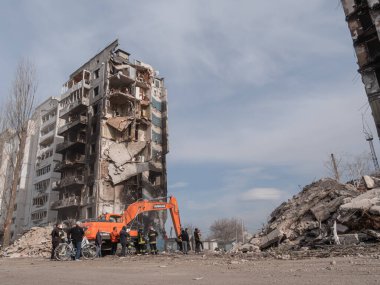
(69, 181)
(77, 122)
(78, 81)
(67, 163)
(73, 201)
(78, 143)
(121, 79)
(76, 106)
(121, 95)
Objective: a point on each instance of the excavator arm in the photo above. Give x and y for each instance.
(143, 206)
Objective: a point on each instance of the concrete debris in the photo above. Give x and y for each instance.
(34, 243)
(120, 123)
(310, 218)
(120, 153)
(122, 173)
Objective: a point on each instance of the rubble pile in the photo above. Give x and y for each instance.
(34, 243)
(324, 212)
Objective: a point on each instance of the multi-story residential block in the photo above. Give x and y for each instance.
(363, 18)
(113, 118)
(44, 161)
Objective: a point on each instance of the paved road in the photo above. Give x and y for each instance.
(192, 269)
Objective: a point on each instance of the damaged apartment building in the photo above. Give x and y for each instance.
(363, 18)
(113, 121)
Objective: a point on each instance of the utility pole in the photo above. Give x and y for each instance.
(369, 139)
(337, 178)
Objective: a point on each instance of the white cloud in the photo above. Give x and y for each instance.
(177, 185)
(261, 194)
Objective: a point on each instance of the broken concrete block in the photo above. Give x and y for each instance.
(121, 153)
(119, 123)
(369, 182)
(127, 171)
(323, 211)
(271, 238)
(348, 239)
(375, 210)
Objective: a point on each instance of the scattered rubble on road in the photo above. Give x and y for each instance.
(34, 243)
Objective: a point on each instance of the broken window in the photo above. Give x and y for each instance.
(92, 150)
(96, 74)
(96, 91)
(373, 47)
(89, 213)
(365, 21)
(91, 191)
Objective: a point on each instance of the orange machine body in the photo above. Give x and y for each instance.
(105, 223)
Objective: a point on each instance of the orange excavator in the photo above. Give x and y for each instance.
(105, 223)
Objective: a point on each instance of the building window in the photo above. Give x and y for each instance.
(156, 137)
(42, 185)
(43, 170)
(39, 215)
(96, 91)
(156, 121)
(89, 213)
(40, 201)
(96, 74)
(156, 104)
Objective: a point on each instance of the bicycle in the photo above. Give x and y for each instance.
(66, 251)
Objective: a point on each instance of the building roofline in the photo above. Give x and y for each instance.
(114, 44)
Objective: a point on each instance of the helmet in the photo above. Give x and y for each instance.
(60, 226)
(128, 230)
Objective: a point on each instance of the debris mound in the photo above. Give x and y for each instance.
(323, 213)
(36, 242)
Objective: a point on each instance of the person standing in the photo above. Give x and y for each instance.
(141, 242)
(98, 244)
(123, 239)
(114, 240)
(185, 240)
(152, 234)
(198, 242)
(76, 233)
(57, 235)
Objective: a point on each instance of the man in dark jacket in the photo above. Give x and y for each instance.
(197, 239)
(98, 244)
(152, 234)
(124, 238)
(56, 238)
(76, 233)
(185, 240)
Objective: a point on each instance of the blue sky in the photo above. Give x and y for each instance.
(260, 92)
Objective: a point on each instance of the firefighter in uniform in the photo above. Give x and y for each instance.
(141, 242)
(152, 234)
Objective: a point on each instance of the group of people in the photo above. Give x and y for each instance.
(76, 234)
(184, 241)
(125, 240)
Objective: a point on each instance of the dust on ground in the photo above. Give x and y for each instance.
(193, 269)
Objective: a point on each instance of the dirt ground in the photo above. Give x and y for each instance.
(191, 269)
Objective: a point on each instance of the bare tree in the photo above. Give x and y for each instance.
(350, 168)
(227, 229)
(19, 110)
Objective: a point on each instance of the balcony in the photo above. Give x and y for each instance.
(74, 107)
(73, 201)
(69, 181)
(121, 95)
(62, 147)
(80, 159)
(121, 80)
(78, 122)
(72, 86)
(47, 138)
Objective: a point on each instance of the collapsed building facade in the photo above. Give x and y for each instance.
(363, 18)
(113, 120)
